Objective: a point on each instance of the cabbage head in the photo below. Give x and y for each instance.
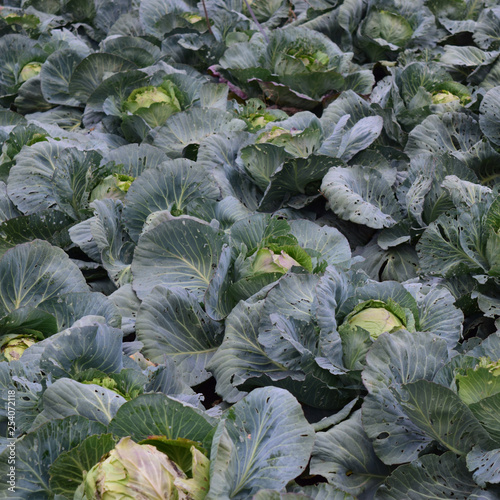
(377, 317)
(134, 471)
(155, 104)
(30, 70)
(15, 348)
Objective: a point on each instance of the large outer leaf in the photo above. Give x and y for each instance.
(398, 263)
(486, 30)
(159, 17)
(30, 180)
(488, 119)
(158, 415)
(431, 477)
(454, 245)
(133, 159)
(486, 411)
(67, 471)
(451, 132)
(48, 225)
(171, 323)
(70, 307)
(71, 178)
(437, 313)
(189, 127)
(77, 349)
(296, 176)
(356, 139)
(264, 441)
(241, 356)
(25, 379)
(176, 253)
(91, 72)
(442, 415)
(66, 397)
(218, 302)
(50, 173)
(242, 359)
(484, 465)
(56, 74)
(361, 195)
(395, 359)
(33, 272)
(328, 241)
(344, 456)
(293, 297)
(111, 239)
(261, 161)
(167, 187)
(36, 451)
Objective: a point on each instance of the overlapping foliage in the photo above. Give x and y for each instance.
(254, 245)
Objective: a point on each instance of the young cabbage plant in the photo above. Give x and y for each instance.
(298, 67)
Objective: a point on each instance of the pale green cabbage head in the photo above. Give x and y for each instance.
(133, 471)
(444, 97)
(376, 320)
(15, 348)
(30, 70)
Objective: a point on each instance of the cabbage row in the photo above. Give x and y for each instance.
(250, 249)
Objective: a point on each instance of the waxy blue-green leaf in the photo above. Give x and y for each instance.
(70, 307)
(30, 184)
(451, 132)
(242, 360)
(176, 253)
(133, 159)
(360, 195)
(56, 75)
(331, 244)
(486, 29)
(395, 359)
(442, 416)
(91, 72)
(67, 471)
(81, 348)
(36, 451)
(344, 455)
(431, 476)
(486, 411)
(190, 128)
(170, 186)
(262, 442)
(488, 118)
(16, 51)
(66, 397)
(49, 225)
(296, 176)
(241, 356)
(455, 244)
(158, 415)
(484, 465)
(261, 161)
(113, 242)
(33, 272)
(171, 323)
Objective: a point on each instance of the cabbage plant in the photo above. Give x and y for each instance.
(298, 67)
